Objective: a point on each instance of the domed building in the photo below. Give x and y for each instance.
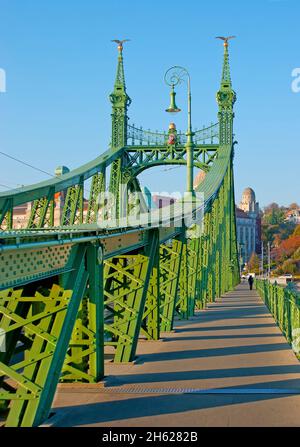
(248, 225)
(248, 202)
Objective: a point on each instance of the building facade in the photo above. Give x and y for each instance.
(248, 225)
(293, 216)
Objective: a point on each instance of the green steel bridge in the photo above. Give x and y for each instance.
(99, 278)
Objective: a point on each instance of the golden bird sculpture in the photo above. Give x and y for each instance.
(225, 39)
(120, 43)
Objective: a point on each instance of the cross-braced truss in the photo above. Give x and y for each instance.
(77, 282)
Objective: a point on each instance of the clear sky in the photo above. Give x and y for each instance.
(60, 68)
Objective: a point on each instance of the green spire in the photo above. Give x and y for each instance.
(120, 102)
(226, 98)
(226, 68)
(120, 77)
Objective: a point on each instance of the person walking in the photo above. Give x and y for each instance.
(250, 281)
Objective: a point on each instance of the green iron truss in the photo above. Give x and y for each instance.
(70, 293)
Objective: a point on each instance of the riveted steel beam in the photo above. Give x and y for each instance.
(46, 319)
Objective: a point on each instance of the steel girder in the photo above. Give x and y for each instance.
(170, 264)
(73, 208)
(38, 323)
(42, 212)
(145, 157)
(95, 199)
(6, 215)
(150, 326)
(84, 360)
(126, 286)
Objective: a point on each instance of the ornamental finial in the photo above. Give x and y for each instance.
(226, 69)
(120, 43)
(226, 39)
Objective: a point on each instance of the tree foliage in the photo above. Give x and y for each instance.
(253, 264)
(297, 231)
(287, 248)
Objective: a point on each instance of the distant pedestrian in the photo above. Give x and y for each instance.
(250, 281)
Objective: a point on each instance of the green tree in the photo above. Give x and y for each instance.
(273, 214)
(253, 264)
(297, 231)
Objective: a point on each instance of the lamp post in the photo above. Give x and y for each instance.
(262, 259)
(241, 245)
(269, 260)
(174, 76)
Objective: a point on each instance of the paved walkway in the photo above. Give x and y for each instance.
(234, 346)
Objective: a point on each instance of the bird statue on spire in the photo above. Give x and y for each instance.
(225, 39)
(120, 43)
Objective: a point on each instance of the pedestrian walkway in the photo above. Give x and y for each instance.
(227, 366)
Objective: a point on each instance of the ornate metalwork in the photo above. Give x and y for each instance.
(175, 75)
(141, 158)
(139, 137)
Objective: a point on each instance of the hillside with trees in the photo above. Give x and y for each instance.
(284, 237)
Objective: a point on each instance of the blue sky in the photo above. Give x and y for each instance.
(60, 67)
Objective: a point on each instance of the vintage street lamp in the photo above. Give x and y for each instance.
(173, 107)
(174, 76)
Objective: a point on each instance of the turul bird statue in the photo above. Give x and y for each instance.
(120, 43)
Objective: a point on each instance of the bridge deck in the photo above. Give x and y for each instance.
(234, 344)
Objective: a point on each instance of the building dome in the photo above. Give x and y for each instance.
(248, 203)
(199, 178)
(248, 195)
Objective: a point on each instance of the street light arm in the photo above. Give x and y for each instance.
(174, 76)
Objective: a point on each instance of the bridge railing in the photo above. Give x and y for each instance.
(139, 136)
(284, 305)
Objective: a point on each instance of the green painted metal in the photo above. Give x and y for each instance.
(169, 272)
(44, 332)
(150, 326)
(141, 137)
(6, 214)
(42, 212)
(96, 200)
(120, 102)
(284, 305)
(84, 361)
(182, 301)
(127, 279)
(193, 249)
(146, 157)
(73, 207)
(70, 292)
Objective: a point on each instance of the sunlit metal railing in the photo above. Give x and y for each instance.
(137, 136)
